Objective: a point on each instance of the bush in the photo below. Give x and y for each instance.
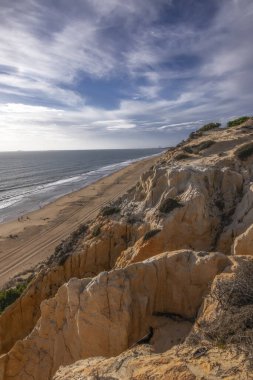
(194, 135)
(198, 147)
(245, 151)
(240, 120)
(110, 210)
(204, 145)
(169, 205)
(7, 297)
(148, 235)
(233, 322)
(96, 231)
(182, 156)
(209, 127)
(63, 250)
(188, 149)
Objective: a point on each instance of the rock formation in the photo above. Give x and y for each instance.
(184, 230)
(105, 316)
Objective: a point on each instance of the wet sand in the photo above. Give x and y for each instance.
(31, 239)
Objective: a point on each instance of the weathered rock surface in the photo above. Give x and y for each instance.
(206, 196)
(199, 196)
(243, 244)
(106, 315)
(92, 256)
(176, 364)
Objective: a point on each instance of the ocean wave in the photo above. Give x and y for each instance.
(41, 194)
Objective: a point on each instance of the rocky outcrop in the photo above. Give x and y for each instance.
(97, 300)
(176, 364)
(243, 244)
(106, 315)
(239, 221)
(93, 255)
(205, 196)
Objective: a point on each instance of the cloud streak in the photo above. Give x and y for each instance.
(156, 64)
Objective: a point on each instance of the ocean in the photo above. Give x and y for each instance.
(29, 180)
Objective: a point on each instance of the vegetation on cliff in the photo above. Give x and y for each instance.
(245, 151)
(162, 260)
(7, 297)
(238, 121)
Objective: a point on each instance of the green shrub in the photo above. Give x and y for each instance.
(96, 231)
(110, 210)
(198, 147)
(7, 297)
(205, 144)
(194, 135)
(169, 205)
(188, 149)
(182, 156)
(148, 235)
(63, 250)
(245, 151)
(209, 127)
(240, 120)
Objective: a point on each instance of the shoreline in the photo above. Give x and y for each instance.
(26, 241)
(37, 199)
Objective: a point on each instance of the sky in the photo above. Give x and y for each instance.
(101, 74)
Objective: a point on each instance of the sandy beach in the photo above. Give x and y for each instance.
(31, 239)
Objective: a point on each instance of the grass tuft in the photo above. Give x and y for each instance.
(63, 250)
(209, 127)
(236, 122)
(7, 297)
(110, 210)
(182, 156)
(198, 147)
(245, 151)
(96, 231)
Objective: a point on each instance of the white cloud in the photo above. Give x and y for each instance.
(42, 62)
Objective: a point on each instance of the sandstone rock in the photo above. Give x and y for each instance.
(240, 222)
(92, 256)
(243, 244)
(207, 195)
(176, 364)
(107, 315)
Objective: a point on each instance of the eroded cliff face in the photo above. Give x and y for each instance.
(93, 255)
(106, 315)
(149, 263)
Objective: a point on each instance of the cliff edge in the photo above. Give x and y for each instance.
(158, 286)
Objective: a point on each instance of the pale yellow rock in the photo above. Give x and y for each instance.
(196, 224)
(241, 221)
(107, 315)
(243, 244)
(104, 316)
(176, 364)
(92, 256)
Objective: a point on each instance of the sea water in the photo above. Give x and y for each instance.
(29, 180)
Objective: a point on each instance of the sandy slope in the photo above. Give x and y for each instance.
(40, 231)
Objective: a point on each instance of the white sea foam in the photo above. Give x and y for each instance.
(22, 199)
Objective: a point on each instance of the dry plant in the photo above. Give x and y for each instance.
(232, 296)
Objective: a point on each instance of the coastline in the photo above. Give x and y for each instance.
(31, 239)
(38, 190)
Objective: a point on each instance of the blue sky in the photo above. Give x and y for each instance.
(88, 74)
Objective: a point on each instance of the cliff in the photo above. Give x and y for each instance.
(174, 253)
